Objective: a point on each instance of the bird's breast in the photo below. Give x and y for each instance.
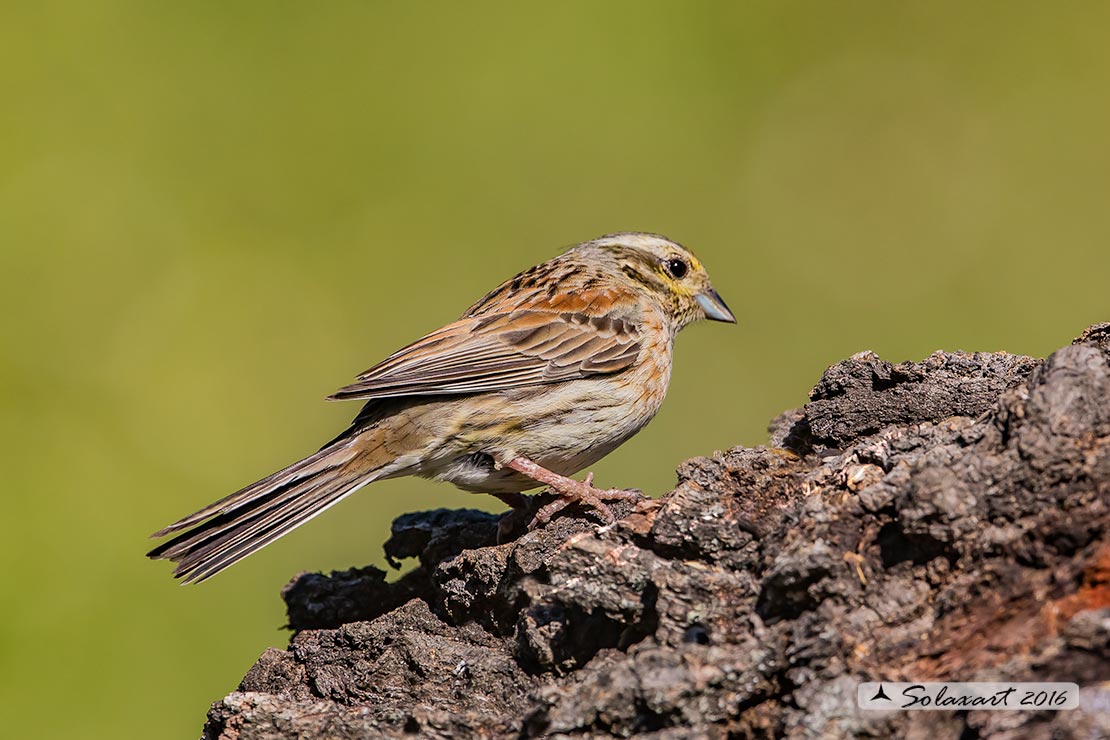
(565, 427)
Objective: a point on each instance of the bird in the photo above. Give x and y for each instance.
(541, 378)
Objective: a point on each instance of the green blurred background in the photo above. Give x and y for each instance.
(214, 214)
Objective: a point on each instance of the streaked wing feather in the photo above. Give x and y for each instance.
(492, 352)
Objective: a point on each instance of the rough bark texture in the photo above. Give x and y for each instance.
(941, 520)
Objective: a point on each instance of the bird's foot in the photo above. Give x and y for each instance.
(570, 492)
(591, 499)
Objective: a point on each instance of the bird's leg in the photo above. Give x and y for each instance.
(570, 492)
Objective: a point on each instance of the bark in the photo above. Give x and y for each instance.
(940, 520)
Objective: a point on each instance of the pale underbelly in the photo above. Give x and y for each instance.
(565, 431)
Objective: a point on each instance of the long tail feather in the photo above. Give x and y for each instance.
(225, 532)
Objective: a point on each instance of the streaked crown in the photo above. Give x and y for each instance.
(666, 271)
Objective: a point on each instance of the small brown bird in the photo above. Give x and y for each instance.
(538, 380)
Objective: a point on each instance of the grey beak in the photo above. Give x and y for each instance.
(714, 306)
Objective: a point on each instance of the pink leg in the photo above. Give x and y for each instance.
(570, 492)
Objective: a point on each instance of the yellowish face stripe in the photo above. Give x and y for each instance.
(677, 286)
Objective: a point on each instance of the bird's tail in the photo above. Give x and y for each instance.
(223, 533)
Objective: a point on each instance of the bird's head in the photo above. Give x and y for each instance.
(668, 273)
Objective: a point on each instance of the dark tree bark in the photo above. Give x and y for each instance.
(941, 520)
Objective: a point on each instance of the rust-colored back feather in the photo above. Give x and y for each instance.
(496, 352)
(558, 321)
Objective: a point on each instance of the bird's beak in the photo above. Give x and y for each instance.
(714, 306)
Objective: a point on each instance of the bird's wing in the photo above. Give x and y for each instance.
(494, 351)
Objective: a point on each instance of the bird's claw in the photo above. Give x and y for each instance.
(589, 498)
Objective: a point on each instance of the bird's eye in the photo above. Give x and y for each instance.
(677, 268)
